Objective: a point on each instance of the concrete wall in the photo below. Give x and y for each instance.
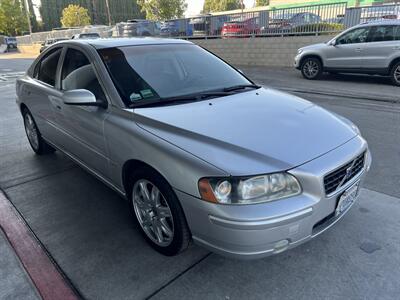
(272, 51)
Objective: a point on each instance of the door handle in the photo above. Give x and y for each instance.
(396, 48)
(359, 49)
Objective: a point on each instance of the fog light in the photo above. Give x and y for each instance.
(281, 246)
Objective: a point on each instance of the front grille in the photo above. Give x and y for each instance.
(344, 174)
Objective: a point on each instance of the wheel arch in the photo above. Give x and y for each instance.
(392, 63)
(129, 167)
(23, 107)
(312, 55)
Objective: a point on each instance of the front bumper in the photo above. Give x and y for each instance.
(259, 230)
(297, 60)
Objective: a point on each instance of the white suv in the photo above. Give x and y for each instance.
(369, 48)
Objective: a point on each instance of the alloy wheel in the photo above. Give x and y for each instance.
(396, 74)
(31, 131)
(153, 212)
(311, 69)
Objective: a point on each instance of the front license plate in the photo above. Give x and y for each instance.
(347, 199)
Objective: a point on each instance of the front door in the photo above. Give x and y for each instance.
(81, 127)
(347, 53)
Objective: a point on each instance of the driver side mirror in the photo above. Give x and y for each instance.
(83, 98)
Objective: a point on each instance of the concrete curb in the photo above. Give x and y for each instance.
(46, 277)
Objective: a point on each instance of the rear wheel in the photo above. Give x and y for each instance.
(158, 213)
(395, 74)
(35, 139)
(311, 68)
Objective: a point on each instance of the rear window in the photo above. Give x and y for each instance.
(383, 33)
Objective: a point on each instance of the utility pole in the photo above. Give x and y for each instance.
(108, 13)
(28, 16)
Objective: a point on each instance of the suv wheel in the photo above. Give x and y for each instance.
(158, 213)
(35, 139)
(395, 74)
(311, 68)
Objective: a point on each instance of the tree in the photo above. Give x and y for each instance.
(262, 2)
(12, 18)
(75, 15)
(221, 5)
(121, 10)
(163, 9)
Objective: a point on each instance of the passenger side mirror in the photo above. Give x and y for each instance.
(83, 98)
(333, 43)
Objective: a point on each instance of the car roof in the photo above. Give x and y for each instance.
(121, 42)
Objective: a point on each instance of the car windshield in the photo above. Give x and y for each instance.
(157, 72)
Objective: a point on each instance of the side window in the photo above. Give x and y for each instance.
(355, 36)
(46, 68)
(397, 33)
(78, 73)
(382, 34)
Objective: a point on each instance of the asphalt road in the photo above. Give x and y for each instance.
(89, 232)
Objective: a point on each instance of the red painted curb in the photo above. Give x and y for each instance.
(48, 281)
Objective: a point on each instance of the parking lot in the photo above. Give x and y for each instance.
(89, 232)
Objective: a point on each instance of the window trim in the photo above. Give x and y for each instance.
(39, 61)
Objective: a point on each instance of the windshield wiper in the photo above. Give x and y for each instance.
(241, 87)
(180, 99)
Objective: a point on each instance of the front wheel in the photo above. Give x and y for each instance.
(395, 74)
(158, 213)
(311, 68)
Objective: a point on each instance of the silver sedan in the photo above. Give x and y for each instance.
(200, 151)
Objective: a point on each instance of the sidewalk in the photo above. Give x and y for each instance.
(14, 281)
(17, 55)
(26, 271)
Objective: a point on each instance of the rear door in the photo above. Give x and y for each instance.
(347, 53)
(37, 93)
(383, 44)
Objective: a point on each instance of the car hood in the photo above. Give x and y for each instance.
(315, 46)
(255, 132)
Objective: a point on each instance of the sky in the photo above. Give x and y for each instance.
(195, 6)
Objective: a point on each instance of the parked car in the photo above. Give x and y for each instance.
(201, 25)
(86, 35)
(136, 27)
(198, 150)
(287, 23)
(369, 48)
(49, 42)
(169, 28)
(179, 27)
(245, 28)
(10, 42)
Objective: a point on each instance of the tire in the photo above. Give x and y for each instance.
(395, 74)
(311, 68)
(149, 217)
(38, 144)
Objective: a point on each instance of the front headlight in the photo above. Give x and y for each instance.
(249, 190)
